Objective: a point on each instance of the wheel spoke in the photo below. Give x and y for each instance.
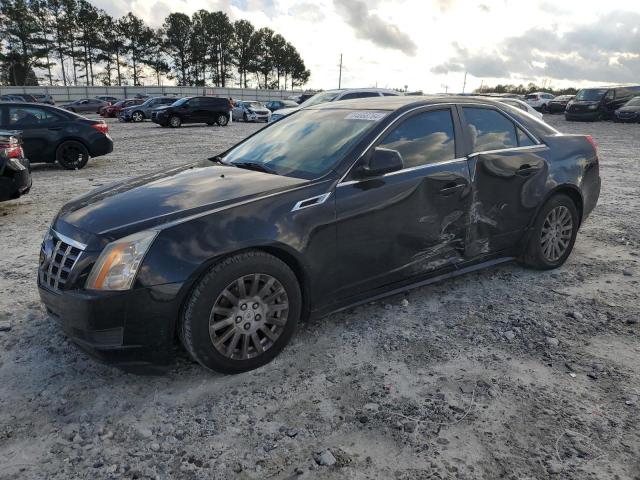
(234, 343)
(230, 296)
(245, 347)
(271, 298)
(242, 292)
(280, 322)
(255, 284)
(222, 323)
(221, 341)
(267, 286)
(278, 307)
(256, 342)
(268, 333)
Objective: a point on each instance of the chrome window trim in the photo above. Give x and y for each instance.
(511, 149)
(366, 149)
(68, 241)
(410, 169)
(320, 200)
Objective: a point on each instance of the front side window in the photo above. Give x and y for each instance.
(591, 94)
(307, 144)
(423, 139)
(489, 129)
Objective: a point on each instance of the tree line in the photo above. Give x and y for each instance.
(524, 90)
(74, 43)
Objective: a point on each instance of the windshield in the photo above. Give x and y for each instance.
(307, 144)
(253, 105)
(177, 103)
(319, 98)
(591, 94)
(634, 102)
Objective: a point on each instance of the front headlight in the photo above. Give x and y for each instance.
(118, 264)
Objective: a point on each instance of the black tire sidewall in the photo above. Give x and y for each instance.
(195, 321)
(175, 126)
(534, 256)
(222, 124)
(66, 166)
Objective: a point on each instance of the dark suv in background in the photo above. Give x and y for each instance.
(138, 113)
(209, 110)
(599, 103)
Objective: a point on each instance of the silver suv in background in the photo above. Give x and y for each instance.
(335, 96)
(539, 100)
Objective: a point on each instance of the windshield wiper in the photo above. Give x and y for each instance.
(259, 167)
(217, 159)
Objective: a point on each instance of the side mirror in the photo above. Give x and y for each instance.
(381, 161)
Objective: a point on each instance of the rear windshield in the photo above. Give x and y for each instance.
(591, 94)
(307, 144)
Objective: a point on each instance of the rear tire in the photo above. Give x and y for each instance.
(249, 305)
(72, 155)
(222, 119)
(553, 234)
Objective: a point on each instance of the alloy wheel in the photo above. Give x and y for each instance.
(222, 120)
(174, 121)
(556, 233)
(248, 316)
(137, 117)
(72, 155)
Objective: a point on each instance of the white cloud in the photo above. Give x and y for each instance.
(435, 31)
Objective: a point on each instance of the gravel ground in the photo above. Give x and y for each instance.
(504, 373)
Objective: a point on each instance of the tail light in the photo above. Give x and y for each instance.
(101, 127)
(12, 151)
(593, 143)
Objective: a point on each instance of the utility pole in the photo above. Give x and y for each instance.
(340, 75)
(464, 85)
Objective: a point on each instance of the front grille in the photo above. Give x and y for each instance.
(56, 267)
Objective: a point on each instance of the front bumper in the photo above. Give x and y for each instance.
(133, 329)
(587, 116)
(15, 182)
(635, 118)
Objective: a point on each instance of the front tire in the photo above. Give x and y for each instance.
(242, 313)
(175, 121)
(72, 155)
(137, 116)
(553, 234)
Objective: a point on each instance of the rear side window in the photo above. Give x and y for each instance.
(423, 139)
(489, 129)
(524, 140)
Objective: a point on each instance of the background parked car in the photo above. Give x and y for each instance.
(84, 105)
(274, 105)
(629, 112)
(10, 98)
(44, 98)
(599, 103)
(108, 99)
(539, 100)
(138, 113)
(209, 110)
(251, 111)
(15, 170)
(559, 103)
(111, 111)
(52, 134)
(301, 98)
(335, 96)
(514, 102)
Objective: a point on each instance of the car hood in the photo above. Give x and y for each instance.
(162, 107)
(156, 199)
(630, 108)
(286, 111)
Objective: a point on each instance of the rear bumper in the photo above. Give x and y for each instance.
(101, 145)
(133, 330)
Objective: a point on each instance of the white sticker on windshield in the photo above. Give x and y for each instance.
(370, 116)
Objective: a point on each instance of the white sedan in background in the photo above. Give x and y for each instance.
(251, 111)
(514, 102)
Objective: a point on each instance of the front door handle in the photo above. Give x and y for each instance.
(451, 188)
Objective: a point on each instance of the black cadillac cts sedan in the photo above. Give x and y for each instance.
(332, 206)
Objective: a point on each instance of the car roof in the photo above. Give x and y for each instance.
(397, 102)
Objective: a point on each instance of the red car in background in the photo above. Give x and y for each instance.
(113, 110)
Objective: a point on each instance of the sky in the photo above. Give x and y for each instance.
(428, 45)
